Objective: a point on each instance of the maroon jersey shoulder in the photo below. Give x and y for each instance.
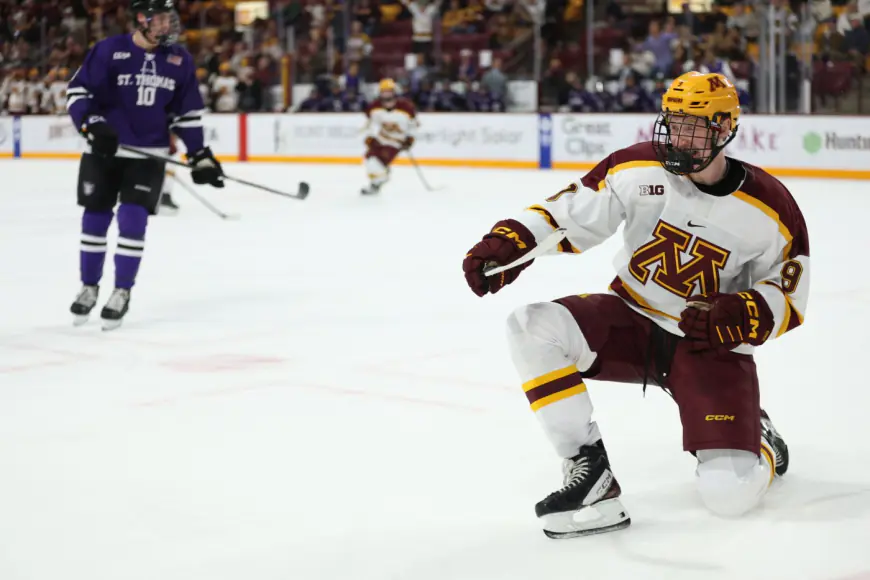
(772, 194)
(406, 105)
(402, 104)
(642, 153)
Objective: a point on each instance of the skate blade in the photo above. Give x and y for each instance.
(606, 516)
(164, 210)
(80, 319)
(111, 324)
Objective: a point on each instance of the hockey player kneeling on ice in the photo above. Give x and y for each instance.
(392, 121)
(715, 263)
(132, 89)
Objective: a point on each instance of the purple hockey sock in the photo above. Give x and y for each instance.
(92, 254)
(132, 221)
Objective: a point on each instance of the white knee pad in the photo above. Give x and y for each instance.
(377, 171)
(731, 482)
(546, 330)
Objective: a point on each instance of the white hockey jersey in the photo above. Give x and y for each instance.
(392, 126)
(680, 241)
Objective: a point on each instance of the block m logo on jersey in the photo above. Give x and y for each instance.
(675, 273)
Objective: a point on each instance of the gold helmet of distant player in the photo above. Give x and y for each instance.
(387, 91)
(698, 119)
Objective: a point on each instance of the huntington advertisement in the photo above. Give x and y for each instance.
(808, 146)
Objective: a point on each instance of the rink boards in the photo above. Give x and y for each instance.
(818, 146)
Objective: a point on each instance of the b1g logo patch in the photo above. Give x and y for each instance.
(652, 189)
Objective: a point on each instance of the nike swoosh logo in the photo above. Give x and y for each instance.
(691, 225)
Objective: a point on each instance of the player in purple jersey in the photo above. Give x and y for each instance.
(132, 89)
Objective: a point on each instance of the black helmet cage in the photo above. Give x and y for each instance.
(151, 7)
(684, 161)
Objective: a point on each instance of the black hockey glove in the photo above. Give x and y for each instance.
(206, 169)
(101, 136)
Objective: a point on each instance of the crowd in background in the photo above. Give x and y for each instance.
(462, 52)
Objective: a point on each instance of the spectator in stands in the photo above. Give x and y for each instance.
(474, 15)
(359, 45)
(829, 42)
(454, 21)
(579, 100)
(660, 88)
(467, 69)
(311, 103)
(495, 81)
(713, 64)
(354, 101)
(844, 22)
(856, 41)
(659, 43)
(418, 73)
(553, 85)
(493, 7)
(446, 70)
(746, 22)
(503, 33)
(250, 91)
(224, 91)
(367, 14)
(423, 13)
(424, 98)
(351, 80)
(479, 100)
(633, 98)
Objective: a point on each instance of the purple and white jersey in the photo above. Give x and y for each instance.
(142, 95)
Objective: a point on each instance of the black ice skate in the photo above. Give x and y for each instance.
(84, 303)
(167, 205)
(774, 441)
(115, 309)
(589, 502)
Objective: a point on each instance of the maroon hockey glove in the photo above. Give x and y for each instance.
(726, 320)
(407, 143)
(508, 240)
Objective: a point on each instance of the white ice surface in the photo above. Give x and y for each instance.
(312, 393)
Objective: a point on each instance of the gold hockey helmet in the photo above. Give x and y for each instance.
(691, 129)
(387, 92)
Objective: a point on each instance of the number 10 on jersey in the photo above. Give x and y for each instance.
(147, 96)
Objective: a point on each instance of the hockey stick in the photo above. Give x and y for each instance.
(189, 189)
(302, 193)
(420, 173)
(545, 246)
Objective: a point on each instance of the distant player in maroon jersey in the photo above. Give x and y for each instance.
(392, 121)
